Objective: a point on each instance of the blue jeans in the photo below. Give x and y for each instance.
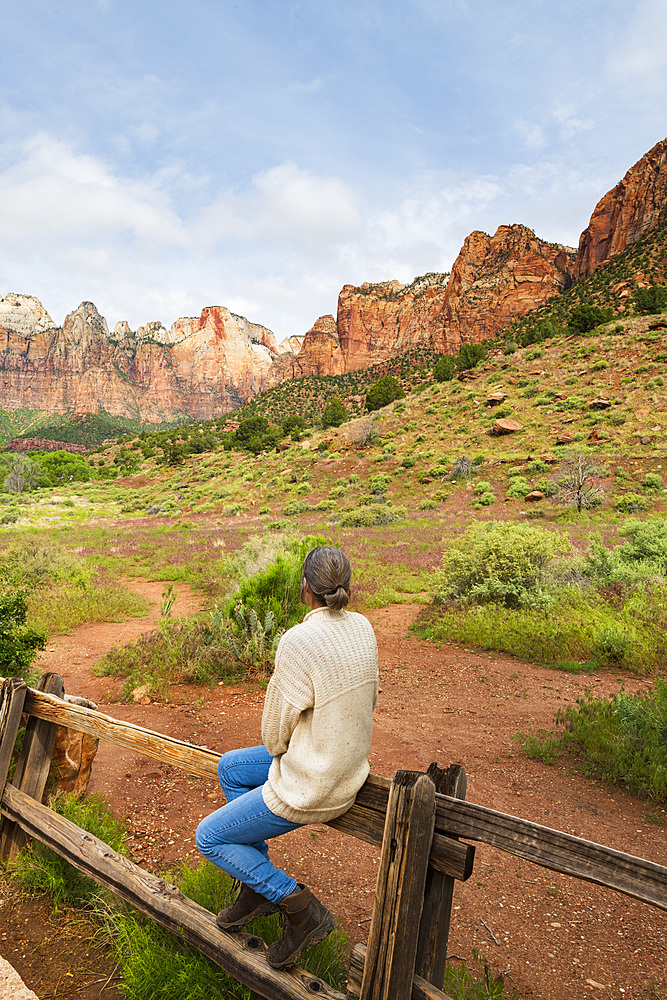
(234, 837)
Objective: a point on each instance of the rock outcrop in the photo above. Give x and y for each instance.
(494, 280)
(203, 367)
(636, 205)
(497, 279)
(319, 354)
(45, 444)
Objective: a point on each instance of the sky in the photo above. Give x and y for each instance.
(160, 157)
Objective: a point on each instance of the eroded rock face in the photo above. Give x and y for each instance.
(495, 279)
(23, 313)
(379, 321)
(319, 354)
(203, 366)
(636, 205)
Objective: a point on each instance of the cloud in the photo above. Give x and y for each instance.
(530, 133)
(437, 206)
(310, 87)
(286, 205)
(80, 230)
(639, 56)
(53, 192)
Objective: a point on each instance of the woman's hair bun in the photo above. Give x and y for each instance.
(328, 572)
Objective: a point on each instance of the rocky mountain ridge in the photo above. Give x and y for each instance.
(204, 367)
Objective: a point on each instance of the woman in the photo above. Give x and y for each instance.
(316, 727)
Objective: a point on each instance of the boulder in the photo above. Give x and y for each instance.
(495, 398)
(72, 760)
(534, 496)
(599, 404)
(564, 439)
(506, 426)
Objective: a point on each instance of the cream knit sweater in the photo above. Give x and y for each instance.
(318, 716)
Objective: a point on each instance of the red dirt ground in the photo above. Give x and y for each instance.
(551, 936)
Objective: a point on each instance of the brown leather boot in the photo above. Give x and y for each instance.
(307, 922)
(249, 904)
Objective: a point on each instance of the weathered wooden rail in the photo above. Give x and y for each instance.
(416, 819)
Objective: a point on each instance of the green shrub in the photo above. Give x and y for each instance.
(445, 368)
(378, 483)
(631, 503)
(518, 488)
(371, 516)
(623, 738)
(586, 317)
(383, 392)
(484, 500)
(652, 482)
(278, 587)
(470, 355)
(643, 556)
(499, 562)
(19, 643)
(613, 643)
(334, 413)
(650, 300)
(296, 507)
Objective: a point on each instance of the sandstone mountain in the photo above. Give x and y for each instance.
(204, 367)
(495, 279)
(636, 205)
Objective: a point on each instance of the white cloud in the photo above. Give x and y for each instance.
(530, 133)
(309, 87)
(436, 208)
(51, 191)
(639, 56)
(287, 205)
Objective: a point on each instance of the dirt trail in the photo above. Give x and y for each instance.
(555, 937)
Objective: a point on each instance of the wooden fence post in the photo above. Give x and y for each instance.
(33, 765)
(436, 915)
(399, 895)
(12, 698)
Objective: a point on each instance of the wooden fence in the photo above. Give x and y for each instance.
(416, 820)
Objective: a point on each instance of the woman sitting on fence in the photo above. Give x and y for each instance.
(316, 727)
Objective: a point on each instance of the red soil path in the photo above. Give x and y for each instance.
(556, 937)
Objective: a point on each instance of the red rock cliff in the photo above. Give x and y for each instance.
(636, 205)
(494, 280)
(203, 366)
(319, 354)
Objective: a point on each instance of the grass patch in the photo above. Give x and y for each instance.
(188, 650)
(38, 869)
(622, 739)
(474, 981)
(539, 745)
(154, 964)
(579, 633)
(62, 607)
